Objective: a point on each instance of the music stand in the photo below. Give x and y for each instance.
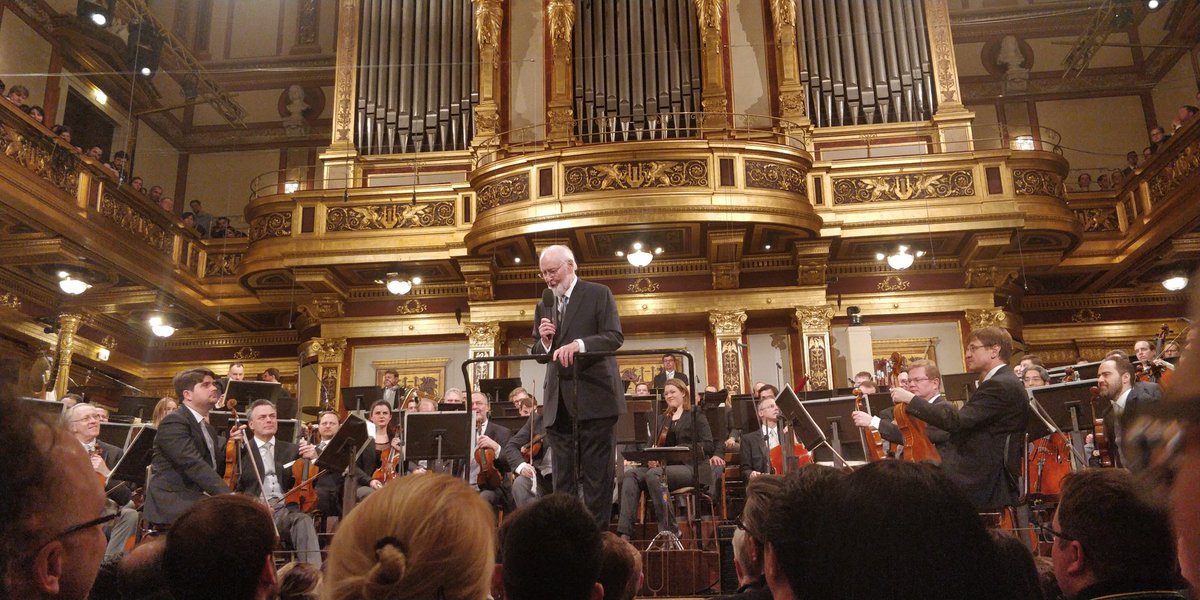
(718, 422)
(341, 452)
(498, 389)
(132, 466)
(360, 397)
(116, 434)
(220, 419)
(633, 426)
(439, 437)
(745, 412)
(833, 414)
(1065, 403)
(138, 407)
(958, 387)
(513, 424)
(49, 408)
(289, 430)
(249, 392)
(808, 431)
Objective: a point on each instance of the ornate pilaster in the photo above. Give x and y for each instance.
(338, 159)
(68, 326)
(813, 323)
(322, 306)
(952, 118)
(489, 19)
(792, 105)
(727, 327)
(714, 96)
(485, 340)
(330, 355)
(560, 117)
(725, 250)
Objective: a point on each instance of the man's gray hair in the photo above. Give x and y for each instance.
(559, 250)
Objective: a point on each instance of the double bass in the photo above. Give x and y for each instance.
(871, 437)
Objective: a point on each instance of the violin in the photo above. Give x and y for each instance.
(871, 437)
(1100, 432)
(489, 476)
(1151, 370)
(533, 449)
(304, 472)
(232, 447)
(97, 450)
(389, 459)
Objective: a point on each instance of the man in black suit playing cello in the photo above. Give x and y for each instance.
(583, 319)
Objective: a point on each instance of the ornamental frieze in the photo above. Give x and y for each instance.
(222, 265)
(43, 157)
(775, 176)
(818, 374)
(1036, 182)
(1174, 173)
(125, 217)
(390, 216)
(1097, 220)
(633, 175)
(918, 186)
(514, 188)
(271, 225)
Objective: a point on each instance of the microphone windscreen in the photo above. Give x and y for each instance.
(548, 299)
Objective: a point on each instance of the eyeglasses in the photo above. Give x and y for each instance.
(916, 379)
(111, 512)
(1051, 533)
(737, 522)
(547, 273)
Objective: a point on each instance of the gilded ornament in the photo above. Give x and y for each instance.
(395, 215)
(480, 288)
(811, 272)
(513, 188)
(1038, 182)
(1098, 220)
(487, 120)
(945, 184)
(561, 119)
(709, 15)
(329, 382)
(727, 323)
(245, 353)
(269, 225)
(938, 15)
(1180, 169)
(783, 13)
(814, 319)
(42, 156)
(109, 342)
(483, 334)
(731, 365)
(792, 103)
(643, 285)
(987, 317)
(561, 16)
(306, 25)
(892, 283)
(327, 307)
(223, 265)
(775, 176)
(412, 306)
(633, 175)
(818, 363)
(347, 62)
(130, 220)
(327, 350)
(489, 15)
(726, 276)
(989, 276)
(10, 300)
(1085, 315)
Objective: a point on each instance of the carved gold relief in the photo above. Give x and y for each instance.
(727, 323)
(731, 366)
(811, 272)
(989, 317)
(1171, 176)
(489, 15)
(818, 370)
(480, 288)
(792, 102)
(482, 334)
(10, 300)
(892, 283)
(946, 184)
(938, 14)
(223, 265)
(347, 62)
(636, 175)
(775, 176)
(109, 342)
(813, 318)
(561, 15)
(327, 308)
(1096, 220)
(1085, 315)
(128, 219)
(412, 306)
(1036, 182)
(329, 381)
(487, 120)
(276, 224)
(513, 188)
(643, 285)
(245, 353)
(783, 13)
(989, 276)
(397, 215)
(43, 157)
(327, 350)
(726, 276)
(709, 16)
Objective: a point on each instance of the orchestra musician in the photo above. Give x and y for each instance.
(83, 421)
(668, 372)
(370, 459)
(1035, 376)
(986, 434)
(659, 480)
(1027, 361)
(755, 455)
(186, 465)
(273, 460)
(164, 407)
(491, 436)
(391, 388)
(272, 375)
(518, 397)
(236, 372)
(924, 381)
(533, 478)
(1121, 396)
(328, 485)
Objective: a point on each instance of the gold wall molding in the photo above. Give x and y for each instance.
(726, 276)
(425, 290)
(1181, 168)
(1112, 299)
(412, 306)
(1085, 315)
(1038, 182)
(813, 323)
(225, 340)
(42, 156)
(990, 317)
(632, 175)
(560, 19)
(513, 188)
(482, 333)
(813, 318)
(919, 186)
(769, 175)
(269, 225)
(892, 283)
(325, 349)
(1098, 220)
(642, 285)
(727, 328)
(480, 277)
(246, 353)
(132, 221)
(989, 276)
(397, 215)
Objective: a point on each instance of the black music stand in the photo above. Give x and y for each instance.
(49, 408)
(439, 437)
(958, 387)
(633, 425)
(833, 414)
(808, 431)
(132, 466)
(138, 407)
(289, 430)
(220, 419)
(513, 424)
(498, 389)
(249, 392)
(341, 452)
(1067, 404)
(361, 397)
(745, 412)
(117, 434)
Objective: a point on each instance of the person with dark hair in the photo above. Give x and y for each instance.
(18, 94)
(555, 531)
(748, 542)
(891, 509)
(272, 463)
(925, 381)
(371, 458)
(70, 400)
(1027, 361)
(140, 573)
(299, 581)
(620, 568)
(787, 526)
(186, 449)
(203, 219)
(63, 132)
(987, 433)
(1121, 397)
(668, 372)
(533, 476)
(221, 548)
(38, 114)
(1158, 138)
(1035, 376)
(51, 536)
(391, 388)
(1016, 567)
(137, 183)
(272, 375)
(1110, 542)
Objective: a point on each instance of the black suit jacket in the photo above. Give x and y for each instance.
(501, 435)
(184, 472)
(753, 455)
(512, 449)
(285, 452)
(329, 492)
(686, 435)
(660, 380)
(986, 438)
(591, 316)
(117, 490)
(1141, 394)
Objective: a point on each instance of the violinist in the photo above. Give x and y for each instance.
(533, 475)
(1121, 397)
(518, 397)
(83, 421)
(493, 437)
(273, 459)
(883, 421)
(757, 444)
(372, 458)
(186, 467)
(658, 480)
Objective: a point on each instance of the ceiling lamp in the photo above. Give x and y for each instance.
(639, 257)
(900, 259)
(399, 285)
(97, 12)
(160, 327)
(70, 285)
(1175, 282)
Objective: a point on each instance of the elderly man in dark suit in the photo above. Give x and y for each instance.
(493, 436)
(83, 421)
(755, 455)
(583, 395)
(186, 466)
(987, 434)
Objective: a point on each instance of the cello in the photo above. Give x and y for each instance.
(1049, 463)
(871, 438)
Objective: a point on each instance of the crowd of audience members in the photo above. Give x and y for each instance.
(1159, 138)
(205, 224)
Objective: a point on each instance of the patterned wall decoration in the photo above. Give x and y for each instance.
(140, 226)
(223, 265)
(400, 215)
(892, 283)
(1174, 173)
(918, 186)
(643, 285)
(514, 188)
(818, 373)
(775, 176)
(1036, 182)
(1097, 220)
(1085, 315)
(634, 175)
(731, 366)
(277, 224)
(412, 306)
(43, 157)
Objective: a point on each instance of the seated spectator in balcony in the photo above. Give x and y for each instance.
(63, 132)
(120, 160)
(222, 229)
(18, 94)
(37, 114)
(167, 204)
(1103, 182)
(1084, 182)
(1131, 158)
(188, 219)
(156, 193)
(1147, 152)
(1118, 179)
(136, 184)
(96, 153)
(203, 220)
(1158, 138)
(1184, 115)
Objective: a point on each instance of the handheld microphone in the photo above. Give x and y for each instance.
(548, 300)
(550, 308)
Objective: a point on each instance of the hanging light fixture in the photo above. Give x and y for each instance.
(900, 259)
(1175, 282)
(639, 257)
(71, 285)
(160, 327)
(400, 285)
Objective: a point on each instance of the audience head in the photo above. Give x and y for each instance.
(389, 547)
(768, 391)
(924, 378)
(38, 114)
(391, 378)
(381, 413)
(1015, 567)
(63, 132)
(156, 192)
(787, 523)
(83, 421)
(167, 204)
(1131, 157)
(620, 568)
(299, 581)
(140, 573)
(1143, 350)
(1085, 181)
(51, 537)
(1147, 152)
(18, 94)
(762, 494)
(1118, 178)
(221, 548)
(1157, 134)
(1115, 375)
(188, 219)
(556, 530)
(427, 405)
(119, 159)
(271, 374)
(668, 362)
(237, 371)
(1105, 531)
(641, 389)
(1186, 112)
(136, 183)
(95, 153)
(196, 206)
(69, 400)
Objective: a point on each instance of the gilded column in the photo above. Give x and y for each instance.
(952, 118)
(489, 17)
(330, 357)
(727, 328)
(338, 159)
(560, 117)
(714, 97)
(485, 340)
(813, 323)
(792, 105)
(68, 326)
